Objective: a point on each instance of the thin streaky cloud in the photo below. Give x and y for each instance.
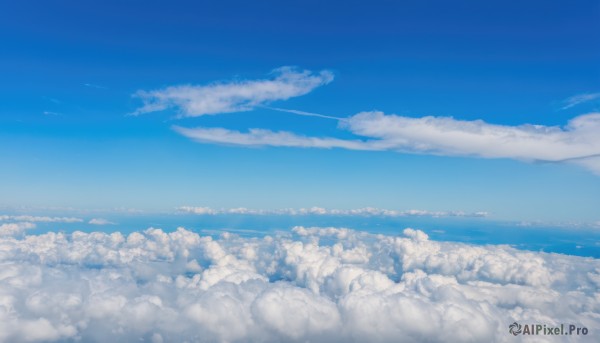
(261, 137)
(579, 99)
(44, 219)
(50, 113)
(578, 142)
(100, 221)
(68, 209)
(304, 113)
(232, 96)
(91, 85)
(365, 211)
(53, 100)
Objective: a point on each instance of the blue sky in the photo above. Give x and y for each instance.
(71, 70)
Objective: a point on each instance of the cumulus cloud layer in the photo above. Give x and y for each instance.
(234, 96)
(314, 284)
(578, 142)
(366, 211)
(14, 229)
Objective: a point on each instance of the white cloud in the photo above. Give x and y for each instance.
(303, 113)
(579, 99)
(578, 142)
(66, 209)
(100, 221)
(260, 137)
(196, 210)
(15, 229)
(587, 225)
(233, 96)
(579, 139)
(91, 85)
(45, 219)
(314, 284)
(366, 211)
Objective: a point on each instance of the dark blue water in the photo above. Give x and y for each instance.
(571, 241)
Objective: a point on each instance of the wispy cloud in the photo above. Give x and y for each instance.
(91, 85)
(50, 113)
(100, 221)
(304, 113)
(68, 209)
(52, 100)
(365, 211)
(233, 96)
(579, 99)
(578, 142)
(44, 219)
(260, 137)
(585, 225)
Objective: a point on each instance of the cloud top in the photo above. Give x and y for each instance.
(365, 211)
(311, 284)
(233, 96)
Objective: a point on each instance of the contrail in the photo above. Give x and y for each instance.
(303, 113)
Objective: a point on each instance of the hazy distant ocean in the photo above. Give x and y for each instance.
(571, 241)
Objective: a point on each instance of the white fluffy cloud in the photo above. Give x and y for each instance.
(578, 142)
(579, 139)
(366, 211)
(234, 96)
(14, 229)
(314, 284)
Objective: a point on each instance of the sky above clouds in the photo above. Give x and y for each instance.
(472, 107)
(250, 171)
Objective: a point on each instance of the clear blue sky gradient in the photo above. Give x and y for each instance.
(68, 70)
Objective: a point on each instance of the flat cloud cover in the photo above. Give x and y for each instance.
(366, 211)
(233, 96)
(313, 284)
(578, 142)
(42, 219)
